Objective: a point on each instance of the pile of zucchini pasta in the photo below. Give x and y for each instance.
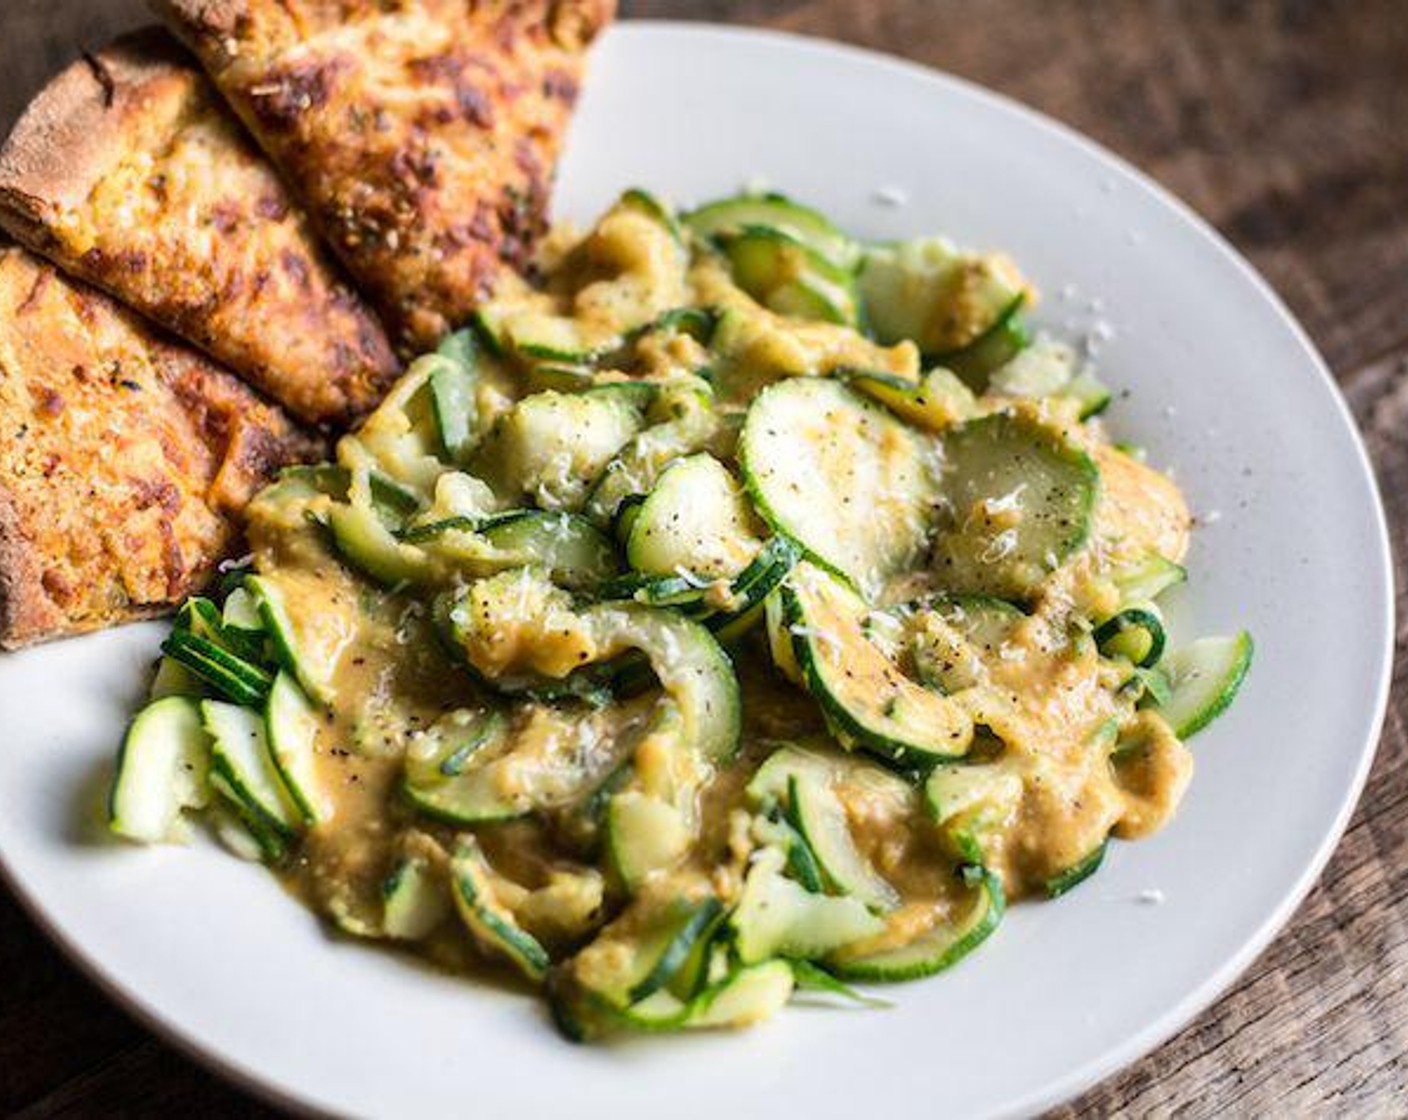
(733, 607)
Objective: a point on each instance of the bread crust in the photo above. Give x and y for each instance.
(128, 171)
(421, 135)
(125, 459)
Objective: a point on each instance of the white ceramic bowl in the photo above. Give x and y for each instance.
(1223, 388)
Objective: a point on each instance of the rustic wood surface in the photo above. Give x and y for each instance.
(1282, 123)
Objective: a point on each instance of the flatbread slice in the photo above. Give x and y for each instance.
(129, 171)
(422, 135)
(124, 458)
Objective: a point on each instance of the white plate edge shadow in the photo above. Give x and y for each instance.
(1082, 1077)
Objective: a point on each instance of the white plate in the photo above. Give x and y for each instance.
(1223, 387)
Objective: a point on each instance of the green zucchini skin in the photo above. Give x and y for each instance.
(939, 949)
(786, 275)
(162, 770)
(840, 475)
(1204, 679)
(230, 675)
(492, 926)
(775, 211)
(1077, 873)
(1120, 636)
(867, 701)
(1000, 343)
(1003, 464)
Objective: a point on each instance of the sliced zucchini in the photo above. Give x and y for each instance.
(393, 501)
(445, 776)
(242, 770)
(729, 615)
(364, 541)
(401, 438)
(174, 679)
(779, 635)
(162, 769)
(1204, 678)
(423, 531)
(240, 624)
(749, 995)
(1077, 873)
(652, 947)
(929, 291)
(777, 830)
(488, 920)
(570, 548)
(776, 917)
(1148, 686)
(1091, 395)
(540, 335)
(839, 475)
(998, 345)
(805, 782)
(683, 590)
(821, 819)
(415, 900)
(775, 211)
(648, 970)
(1021, 500)
(689, 424)
(1050, 369)
(453, 383)
(1136, 633)
(312, 667)
(939, 948)
(971, 802)
(630, 268)
(634, 198)
(291, 727)
(1043, 369)
(811, 977)
(1146, 578)
(479, 767)
(935, 402)
(561, 377)
(552, 446)
(867, 701)
(753, 588)
(691, 929)
(786, 275)
(696, 523)
(201, 617)
(644, 833)
(230, 675)
(697, 323)
(690, 664)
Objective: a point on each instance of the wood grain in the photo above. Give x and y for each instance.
(1282, 123)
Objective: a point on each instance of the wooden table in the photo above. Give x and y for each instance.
(1286, 125)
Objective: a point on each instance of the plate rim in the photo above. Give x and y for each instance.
(1142, 1042)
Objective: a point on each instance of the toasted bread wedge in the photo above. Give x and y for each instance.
(129, 172)
(422, 135)
(124, 458)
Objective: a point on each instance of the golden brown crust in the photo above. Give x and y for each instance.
(129, 172)
(124, 459)
(422, 134)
